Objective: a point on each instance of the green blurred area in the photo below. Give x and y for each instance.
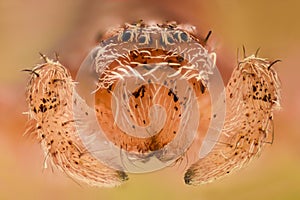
(70, 27)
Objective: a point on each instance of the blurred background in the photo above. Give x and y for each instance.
(71, 28)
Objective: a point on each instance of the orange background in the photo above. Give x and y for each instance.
(71, 27)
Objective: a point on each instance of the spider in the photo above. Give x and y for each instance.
(145, 96)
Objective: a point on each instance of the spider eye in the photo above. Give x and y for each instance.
(126, 36)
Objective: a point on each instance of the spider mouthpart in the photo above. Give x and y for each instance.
(145, 97)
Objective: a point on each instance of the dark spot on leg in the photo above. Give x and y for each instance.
(175, 98)
(202, 87)
(140, 90)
